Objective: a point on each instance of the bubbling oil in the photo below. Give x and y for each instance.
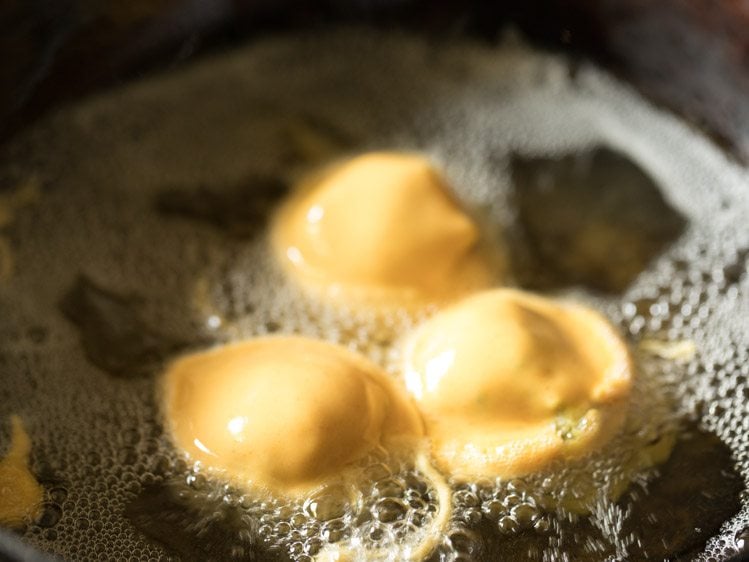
(110, 171)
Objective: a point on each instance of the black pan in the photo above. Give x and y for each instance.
(691, 58)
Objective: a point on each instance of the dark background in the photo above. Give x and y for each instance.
(691, 55)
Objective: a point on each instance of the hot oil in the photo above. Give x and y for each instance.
(143, 194)
(113, 336)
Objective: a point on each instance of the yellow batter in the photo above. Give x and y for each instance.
(508, 381)
(382, 228)
(20, 494)
(284, 414)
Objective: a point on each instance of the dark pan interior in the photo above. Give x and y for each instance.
(691, 58)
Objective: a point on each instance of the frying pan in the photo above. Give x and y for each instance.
(689, 57)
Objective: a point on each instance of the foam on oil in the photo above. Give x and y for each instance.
(98, 440)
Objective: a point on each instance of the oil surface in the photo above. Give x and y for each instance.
(148, 239)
